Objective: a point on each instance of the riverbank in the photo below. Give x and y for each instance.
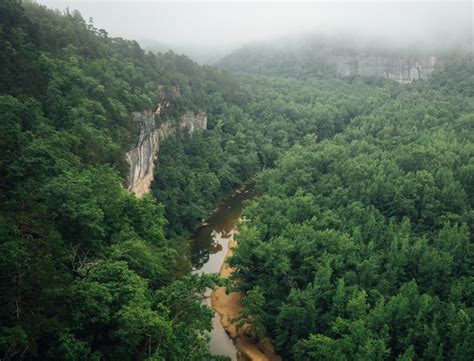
(229, 306)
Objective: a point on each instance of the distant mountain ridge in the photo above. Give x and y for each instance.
(320, 56)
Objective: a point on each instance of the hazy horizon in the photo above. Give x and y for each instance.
(220, 27)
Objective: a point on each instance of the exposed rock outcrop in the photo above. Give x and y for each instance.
(304, 58)
(142, 158)
(401, 69)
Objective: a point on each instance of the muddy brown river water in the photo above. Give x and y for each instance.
(209, 246)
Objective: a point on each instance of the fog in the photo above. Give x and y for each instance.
(207, 29)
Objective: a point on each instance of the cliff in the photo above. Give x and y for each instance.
(306, 59)
(142, 158)
(401, 69)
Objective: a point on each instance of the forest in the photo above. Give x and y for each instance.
(358, 247)
(361, 246)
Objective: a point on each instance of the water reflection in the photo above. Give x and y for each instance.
(210, 240)
(209, 246)
(201, 254)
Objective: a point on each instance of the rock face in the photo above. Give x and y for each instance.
(142, 158)
(401, 69)
(310, 57)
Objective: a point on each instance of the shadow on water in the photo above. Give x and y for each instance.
(209, 247)
(210, 241)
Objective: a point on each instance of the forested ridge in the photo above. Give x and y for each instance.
(358, 247)
(85, 269)
(342, 55)
(194, 173)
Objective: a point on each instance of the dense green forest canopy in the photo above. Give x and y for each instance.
(193, 174)
(85, 269)
(359, 247)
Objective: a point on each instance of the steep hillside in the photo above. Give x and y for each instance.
(358, 247)
(320, 56)
(85, 269)
(142, 159)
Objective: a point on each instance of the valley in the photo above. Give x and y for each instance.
(302, 199)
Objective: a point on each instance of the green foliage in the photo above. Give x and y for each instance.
(360, 246)
(86, 271)
(195, 173)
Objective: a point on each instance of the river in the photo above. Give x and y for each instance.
(208, 249)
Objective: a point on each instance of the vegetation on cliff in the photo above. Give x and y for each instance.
(360, 246)
(193, 174)
(85, 269)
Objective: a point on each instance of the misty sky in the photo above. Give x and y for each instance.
(212, 25)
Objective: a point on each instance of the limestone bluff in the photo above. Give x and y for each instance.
(143, 157)
(402, 69)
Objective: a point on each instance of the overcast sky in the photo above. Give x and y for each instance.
(228, 24)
